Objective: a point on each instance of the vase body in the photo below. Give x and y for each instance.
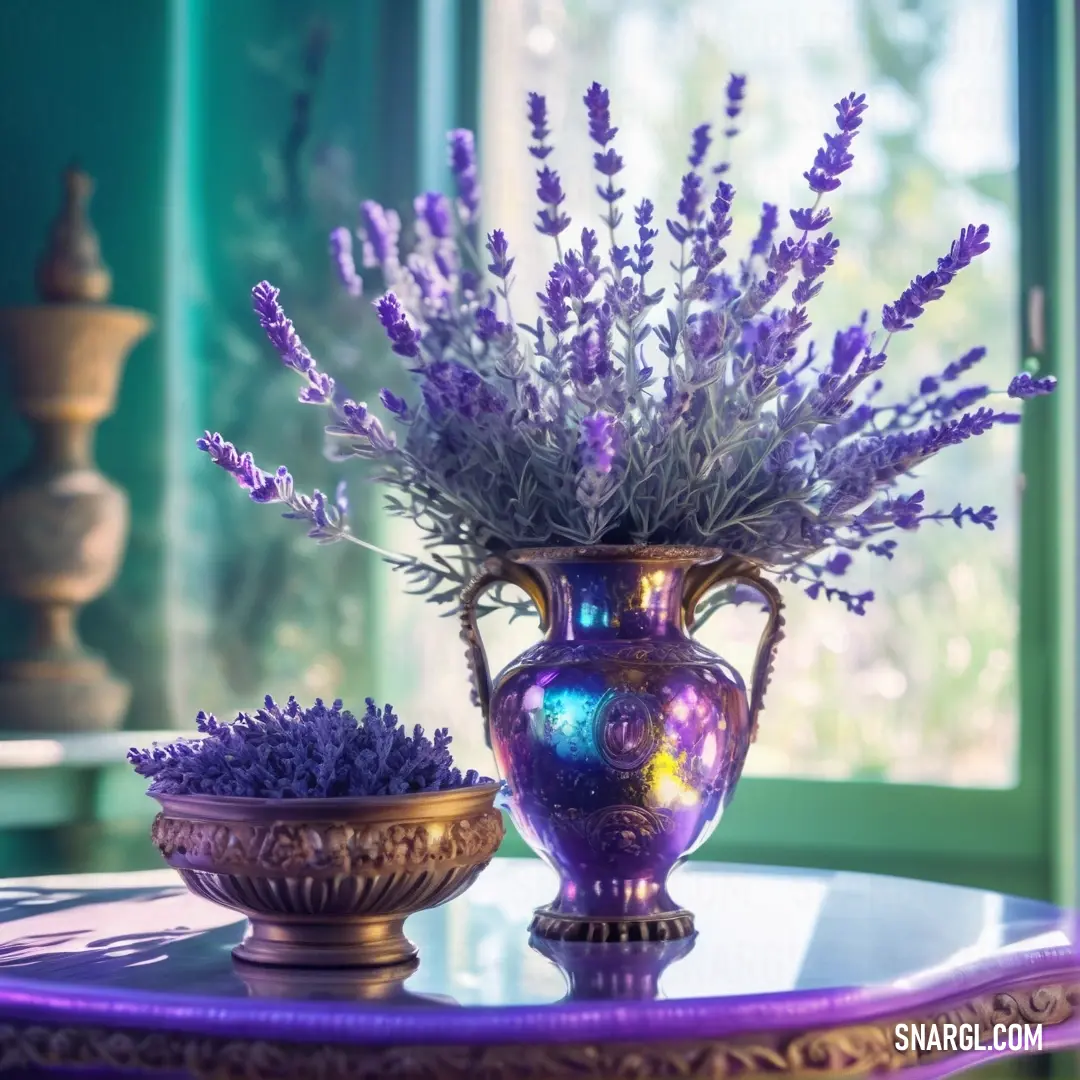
(620, 737)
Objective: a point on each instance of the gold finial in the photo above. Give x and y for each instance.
(71, 270)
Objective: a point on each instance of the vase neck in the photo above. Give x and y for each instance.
(617, 599)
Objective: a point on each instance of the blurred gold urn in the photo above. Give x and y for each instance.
(63, 525)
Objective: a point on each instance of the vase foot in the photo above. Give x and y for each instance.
(337, 943)
(560, 926)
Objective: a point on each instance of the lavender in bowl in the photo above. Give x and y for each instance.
(325, 830)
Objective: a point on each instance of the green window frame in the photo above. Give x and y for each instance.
(1020, 840)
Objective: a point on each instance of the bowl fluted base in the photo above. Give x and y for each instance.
(340, 943)
(556, 925)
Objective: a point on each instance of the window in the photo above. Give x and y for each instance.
(926, 692)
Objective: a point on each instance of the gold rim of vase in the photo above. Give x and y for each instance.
(669, 553)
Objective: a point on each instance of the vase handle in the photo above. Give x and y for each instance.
(730, 571)
(495, 571)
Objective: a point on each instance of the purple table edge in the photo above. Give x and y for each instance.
(818, 1032)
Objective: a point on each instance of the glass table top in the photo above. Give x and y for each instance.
(761, 931)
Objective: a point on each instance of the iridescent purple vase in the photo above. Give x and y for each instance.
(620, 738)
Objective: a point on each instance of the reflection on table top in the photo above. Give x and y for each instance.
(776, 949)
(760, 931)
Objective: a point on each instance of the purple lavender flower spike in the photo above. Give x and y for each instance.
(538, 124)
(398, 406)
(359, 421)
(550, 221)
(279, 329)
(501, 264)
(986, 516)
(466, 177)
(404, 340)
(283, 336)
(553, 301)
(606, 162)
(810, 220)
(600, 438)
(488, 327)
(690, 200)
(964, 364)
(380, 229)
(835, 158)
(433, 215)
(736, 91)
(260, 487)
(1024, 386)
(225, 455)
(902, 314)
(706, 251)
(817, 257)
(341, 251)
(453, 391)
(598, 103)
(643, 249)
(700, 141)
(973, 241)
(590, 261)
(848, 346)
(854, 602)
(734, 94)
(769, 221)
(688, 207)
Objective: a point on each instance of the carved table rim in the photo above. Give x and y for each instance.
(849, 1050)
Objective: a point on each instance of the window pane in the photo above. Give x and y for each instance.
(923, 687)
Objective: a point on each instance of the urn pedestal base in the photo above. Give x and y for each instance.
(61, 697)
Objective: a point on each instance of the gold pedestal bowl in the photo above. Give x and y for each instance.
(329, 883)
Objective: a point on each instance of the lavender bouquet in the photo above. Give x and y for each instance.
(295, 753)
(631, 412)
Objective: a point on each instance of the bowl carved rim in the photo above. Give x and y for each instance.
(415, 807)
(430, 833)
